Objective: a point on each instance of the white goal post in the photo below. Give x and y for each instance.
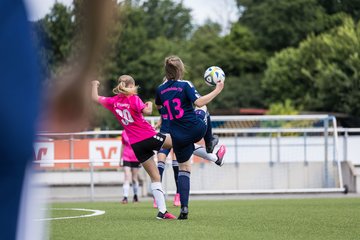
(270, 154)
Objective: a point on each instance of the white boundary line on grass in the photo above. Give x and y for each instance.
(94, 213)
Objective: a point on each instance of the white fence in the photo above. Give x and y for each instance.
(258, 160)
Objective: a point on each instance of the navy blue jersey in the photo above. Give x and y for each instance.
(177, 97)
(164, 120)
(186, 126)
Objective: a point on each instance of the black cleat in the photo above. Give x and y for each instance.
(124, 201)
(211, 145)
(135, 199)
(183, 213)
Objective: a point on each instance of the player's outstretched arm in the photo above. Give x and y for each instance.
(202, 101)
(94, 90)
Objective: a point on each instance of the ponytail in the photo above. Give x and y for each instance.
(126, 86)
(174, 68)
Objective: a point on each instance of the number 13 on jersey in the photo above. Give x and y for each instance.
(174, 104)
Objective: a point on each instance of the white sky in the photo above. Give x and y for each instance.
(221, 11)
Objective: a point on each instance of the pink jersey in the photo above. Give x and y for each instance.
(128, 111)
(128, 153)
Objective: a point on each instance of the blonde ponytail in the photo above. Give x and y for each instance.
(126, 86)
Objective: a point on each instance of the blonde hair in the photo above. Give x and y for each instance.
(174, 68)
(126, 86)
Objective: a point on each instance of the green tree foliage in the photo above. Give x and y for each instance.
(238, 55)
(351, 7)
(303, 50)
(282, 23)
(166, 19)
(241, 52)
(56, 32)
(286, 108)
(322, 74)
(145, 35)
(283, 108)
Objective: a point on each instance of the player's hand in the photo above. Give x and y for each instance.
(149, 103)
(95, 83)
(219, 86)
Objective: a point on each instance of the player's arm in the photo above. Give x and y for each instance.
(147, 110)
(158, 124)
(158, 102)
(202, 101)
(94, 90)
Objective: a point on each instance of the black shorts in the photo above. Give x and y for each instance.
(145, 149)
(131, 164)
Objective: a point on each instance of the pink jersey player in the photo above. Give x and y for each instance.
(129, 109)
(128, 154)
(131, 169)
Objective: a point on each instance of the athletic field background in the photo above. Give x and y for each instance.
(319, 218)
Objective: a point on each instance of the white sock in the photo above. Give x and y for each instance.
(126, 187)
(200, 151)
(135, 186)
(158, 194)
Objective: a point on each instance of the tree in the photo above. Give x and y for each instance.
(283, 108)
(139, 50)
(281, 23)
(167, 19)
(55, 32)
(351, 7)
(322, 74)
(241, 52)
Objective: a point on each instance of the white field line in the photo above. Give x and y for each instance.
(93, 214)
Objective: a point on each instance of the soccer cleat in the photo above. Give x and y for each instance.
(124, 201)
(183, 213)
(220, 155)
(177, 200)
(211, 145)
(135, 199)
(154, 204)
(165, 215)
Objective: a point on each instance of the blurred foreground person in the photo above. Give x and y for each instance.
(20, 101)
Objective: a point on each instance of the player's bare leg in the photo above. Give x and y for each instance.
(156, 188)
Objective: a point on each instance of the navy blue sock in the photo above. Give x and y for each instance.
(175, 166)
(208, 135)
(184, 187)
(161, 167)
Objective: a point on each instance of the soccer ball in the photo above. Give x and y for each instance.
(214, 75)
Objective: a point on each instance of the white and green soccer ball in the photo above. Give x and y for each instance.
(214, 75)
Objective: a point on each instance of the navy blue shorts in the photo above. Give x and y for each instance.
(183, 139)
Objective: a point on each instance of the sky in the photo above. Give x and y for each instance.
(220, 11)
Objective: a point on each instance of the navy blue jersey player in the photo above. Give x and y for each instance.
(210, 142)
(186, 125)
(163, 124)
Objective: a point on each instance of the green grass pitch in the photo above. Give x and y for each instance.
(215, 219)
